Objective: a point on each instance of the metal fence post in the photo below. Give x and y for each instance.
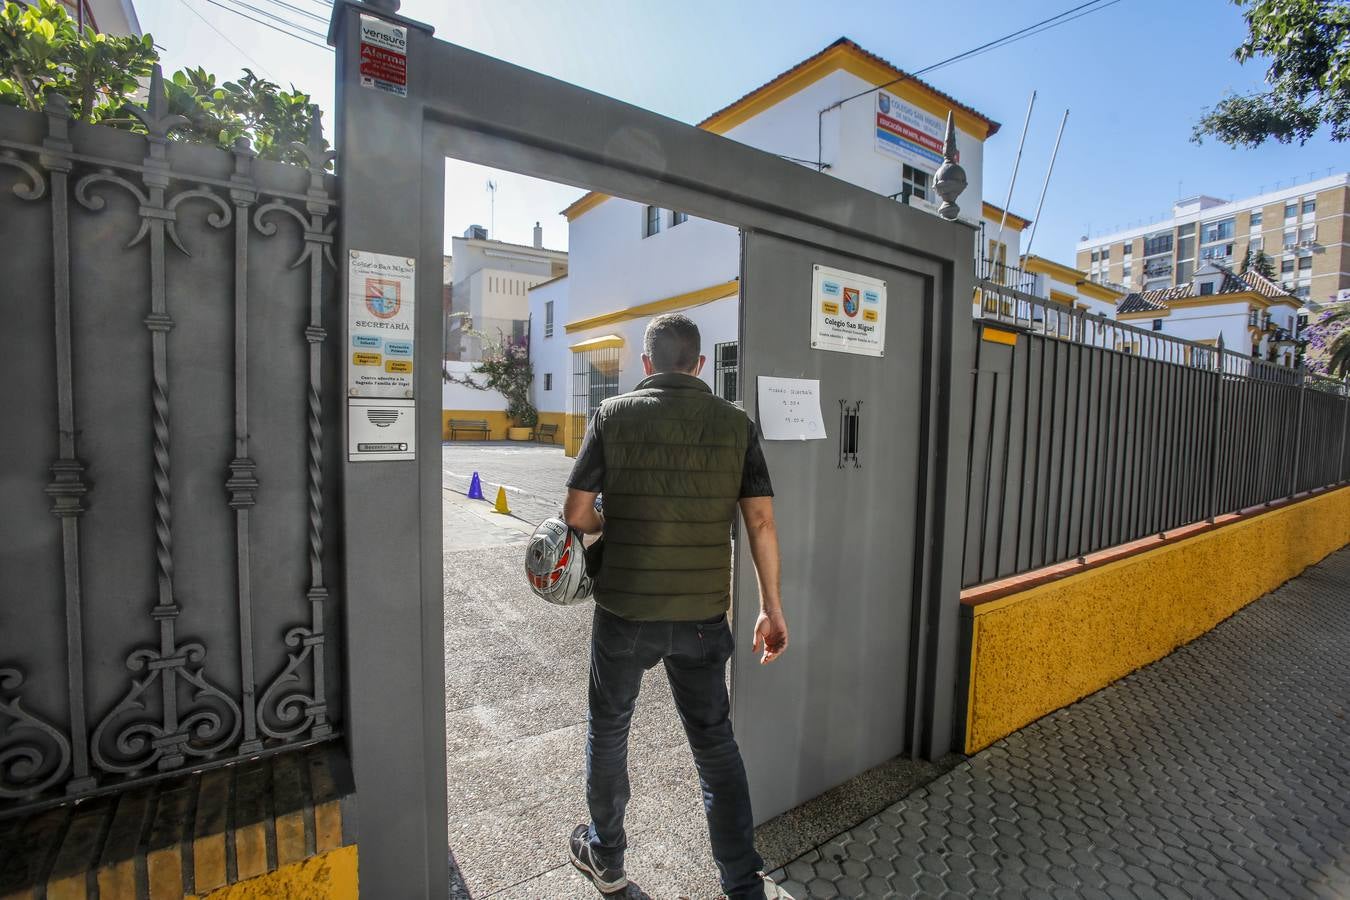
(1298, 431)
(1345, 423)
(1214, 434)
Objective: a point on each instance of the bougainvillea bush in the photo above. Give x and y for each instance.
(1328, 335)
(506, 369)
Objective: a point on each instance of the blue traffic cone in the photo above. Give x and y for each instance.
(476, 488)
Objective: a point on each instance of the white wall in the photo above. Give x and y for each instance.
(613, 267)
(848, 134)
(458, 396)
(550, 354)
(1206, 323)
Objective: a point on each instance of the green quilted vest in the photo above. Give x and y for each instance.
(674, 454)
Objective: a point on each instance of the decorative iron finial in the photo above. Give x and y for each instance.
(315, 149)
(155, 115)
(314, 136)
(950, 180)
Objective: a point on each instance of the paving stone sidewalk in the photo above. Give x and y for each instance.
(1219, 771)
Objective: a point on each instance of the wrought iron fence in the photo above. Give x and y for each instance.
(167, 309)
(1087, 433)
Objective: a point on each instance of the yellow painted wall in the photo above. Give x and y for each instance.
(328, 876)
(496, 420)
(574, 429)
(1041, 649)
(555, 418)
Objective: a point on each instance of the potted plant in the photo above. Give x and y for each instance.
(506, 369)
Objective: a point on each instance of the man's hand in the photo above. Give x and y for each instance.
(771, 636)
(579, 512)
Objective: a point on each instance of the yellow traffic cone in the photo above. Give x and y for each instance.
(501, 506)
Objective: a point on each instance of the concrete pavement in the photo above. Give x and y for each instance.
(1219, 771)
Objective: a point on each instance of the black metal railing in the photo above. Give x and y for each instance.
(1087, 433)
(1004, 275)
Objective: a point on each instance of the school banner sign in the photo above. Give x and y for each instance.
(908, 133)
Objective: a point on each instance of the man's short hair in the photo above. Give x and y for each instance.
(672, 343)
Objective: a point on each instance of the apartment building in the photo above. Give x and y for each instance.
(1304, 230)
(490, 282)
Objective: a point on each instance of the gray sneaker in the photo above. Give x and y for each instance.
(772, 891)
(610, 879)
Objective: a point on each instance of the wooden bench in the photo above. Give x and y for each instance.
(473, 426)
(547, 431)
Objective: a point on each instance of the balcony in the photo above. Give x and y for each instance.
(1004, 275)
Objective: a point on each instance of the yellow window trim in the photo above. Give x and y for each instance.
(656, 307)
(597, 343)
(1062, 297)
(844, 56)
(1143, 315)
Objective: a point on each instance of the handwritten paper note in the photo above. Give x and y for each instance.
(789, 409)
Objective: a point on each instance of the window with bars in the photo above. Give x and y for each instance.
(727, 371)
(677, 217)
(548, 319)
(595, 378)
(548, 381)
(652, 224)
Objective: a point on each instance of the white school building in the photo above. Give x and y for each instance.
(628, 262)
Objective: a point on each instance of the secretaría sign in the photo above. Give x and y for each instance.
(380, 300)
(848, 312)
(908, 133)
(384, 56)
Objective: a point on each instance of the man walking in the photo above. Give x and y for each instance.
(673, 463)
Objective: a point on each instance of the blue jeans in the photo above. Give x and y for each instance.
(695, 655)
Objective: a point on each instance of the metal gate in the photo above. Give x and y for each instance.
(169, 439)
(865, 565)
(898, 586)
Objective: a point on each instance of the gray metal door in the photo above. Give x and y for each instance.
(840, 697)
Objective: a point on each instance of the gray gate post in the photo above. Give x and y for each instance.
(392, 202)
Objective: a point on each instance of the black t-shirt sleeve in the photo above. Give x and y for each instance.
(755, 476)
(588, 472)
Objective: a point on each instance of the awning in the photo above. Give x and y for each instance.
(598, 343)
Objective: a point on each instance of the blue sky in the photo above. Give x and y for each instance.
(1135, 77)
